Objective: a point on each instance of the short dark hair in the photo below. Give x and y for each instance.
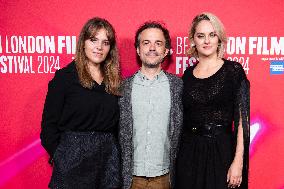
(153, 24)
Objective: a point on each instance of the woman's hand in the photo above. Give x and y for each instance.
(234, 176)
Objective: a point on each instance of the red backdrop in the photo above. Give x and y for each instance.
(37, 37)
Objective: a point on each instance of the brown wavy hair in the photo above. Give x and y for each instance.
(110, 67)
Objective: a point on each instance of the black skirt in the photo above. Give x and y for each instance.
(85, 160)
(204, 159)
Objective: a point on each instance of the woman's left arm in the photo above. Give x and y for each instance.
(238, 171)
(234, 176)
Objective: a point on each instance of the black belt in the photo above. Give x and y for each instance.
(209, 130)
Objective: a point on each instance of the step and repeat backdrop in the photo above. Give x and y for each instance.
(39, 37)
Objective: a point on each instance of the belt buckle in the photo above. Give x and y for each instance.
(210, 130)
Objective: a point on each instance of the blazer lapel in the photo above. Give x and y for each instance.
(172, 92)
(128, 105)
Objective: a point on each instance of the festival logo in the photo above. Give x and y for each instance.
(276, 67)
(34, 54)
(239, 49)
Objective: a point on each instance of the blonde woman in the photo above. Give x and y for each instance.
(215, 142)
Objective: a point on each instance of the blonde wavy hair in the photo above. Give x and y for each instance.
(217, 25)
(110, 67)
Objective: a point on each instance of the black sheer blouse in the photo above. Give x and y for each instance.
(222, 98)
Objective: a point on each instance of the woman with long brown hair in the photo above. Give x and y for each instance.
(81, 113)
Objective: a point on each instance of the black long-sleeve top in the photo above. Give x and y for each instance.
(223, 98)
(71, 107)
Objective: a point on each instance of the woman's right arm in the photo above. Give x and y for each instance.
(52, 111)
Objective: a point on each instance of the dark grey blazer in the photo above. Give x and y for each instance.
(126, 127)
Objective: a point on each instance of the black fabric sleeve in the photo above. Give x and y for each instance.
(52, 111)
(186, 74)
(242, 112)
